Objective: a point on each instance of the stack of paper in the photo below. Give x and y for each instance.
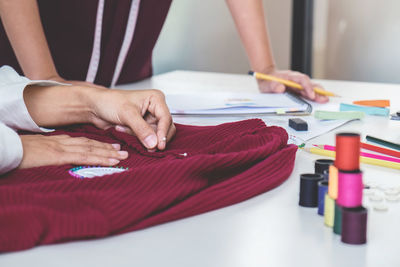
(221, 103)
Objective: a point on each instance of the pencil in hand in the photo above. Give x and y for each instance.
(266, 77)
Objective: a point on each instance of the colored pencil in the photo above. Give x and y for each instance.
(381, 150)
(382, 142)
(382, 103)
(368, 155)
(262, 76)
(370, 161)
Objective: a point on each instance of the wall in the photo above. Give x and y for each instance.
(200, 35)
(361, 42)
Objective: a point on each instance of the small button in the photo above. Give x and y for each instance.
(381, 207)
(376, 198)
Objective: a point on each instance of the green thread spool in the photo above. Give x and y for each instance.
(337, 224)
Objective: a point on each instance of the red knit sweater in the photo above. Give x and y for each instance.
(225, 164)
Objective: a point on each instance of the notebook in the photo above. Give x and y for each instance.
(221, 103)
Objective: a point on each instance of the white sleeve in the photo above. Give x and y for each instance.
(13, 111)
(15, 115)
(10, 149)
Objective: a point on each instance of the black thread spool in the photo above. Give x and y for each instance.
(309, 189)
(321, 166)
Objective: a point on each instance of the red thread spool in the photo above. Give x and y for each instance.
(347, 151)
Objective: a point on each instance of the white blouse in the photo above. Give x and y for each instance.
(14, 116)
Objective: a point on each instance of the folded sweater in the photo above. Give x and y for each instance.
(203, 168)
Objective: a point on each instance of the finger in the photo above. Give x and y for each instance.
(152, 121)
(91, 150)
(83, 141)
(122, 129)
(304, 81)
(165, 139)
(321, 98)
(163, 128)
(141, 128)
(271, 87)
(78, 158)
(277, 87)
(159, 116)
(171, 132)
(101, 124)
(317, 85)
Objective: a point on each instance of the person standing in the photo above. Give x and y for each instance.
(111, 42)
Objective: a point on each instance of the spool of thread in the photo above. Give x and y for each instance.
(326, 175)
(322, 190)
(337, 223)
(354, 225)
(309, 189)
(347, 151)
(329, 211)
(350, 189)
(333, 182)
(321, 166)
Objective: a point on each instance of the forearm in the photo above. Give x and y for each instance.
(54, 106)
(24, 29)
(250, 22)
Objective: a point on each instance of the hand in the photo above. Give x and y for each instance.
(143, 113)
(304, 80)
(40, 150)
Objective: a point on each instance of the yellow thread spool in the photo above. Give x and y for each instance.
(333, 182)
(329, 211)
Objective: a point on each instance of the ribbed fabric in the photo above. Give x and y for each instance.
(225, 164)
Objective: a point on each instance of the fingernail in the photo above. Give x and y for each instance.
(123, 154)
(116, 146)
(164, 139)
(120, 128)
(150, 141)
(113, 161)
(151, 150)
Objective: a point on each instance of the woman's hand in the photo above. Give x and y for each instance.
(143, 113)
(40, 150)
(300, 78)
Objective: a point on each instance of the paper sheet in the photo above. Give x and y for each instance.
(233, 103)
(316, 127)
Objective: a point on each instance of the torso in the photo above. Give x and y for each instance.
(69, 27)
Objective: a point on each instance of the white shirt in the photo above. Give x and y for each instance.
(14, 116)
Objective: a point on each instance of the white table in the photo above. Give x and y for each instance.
(267, 230)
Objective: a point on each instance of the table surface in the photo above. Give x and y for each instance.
(267, 230)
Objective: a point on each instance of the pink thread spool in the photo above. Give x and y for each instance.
(350, 188)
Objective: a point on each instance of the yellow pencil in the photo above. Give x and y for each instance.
(267, 77)
(370, 161)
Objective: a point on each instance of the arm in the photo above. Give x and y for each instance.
(143, 113)
(25, 105)
(28, 105)
(24, 29)
(23, 150)
(250, 22)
